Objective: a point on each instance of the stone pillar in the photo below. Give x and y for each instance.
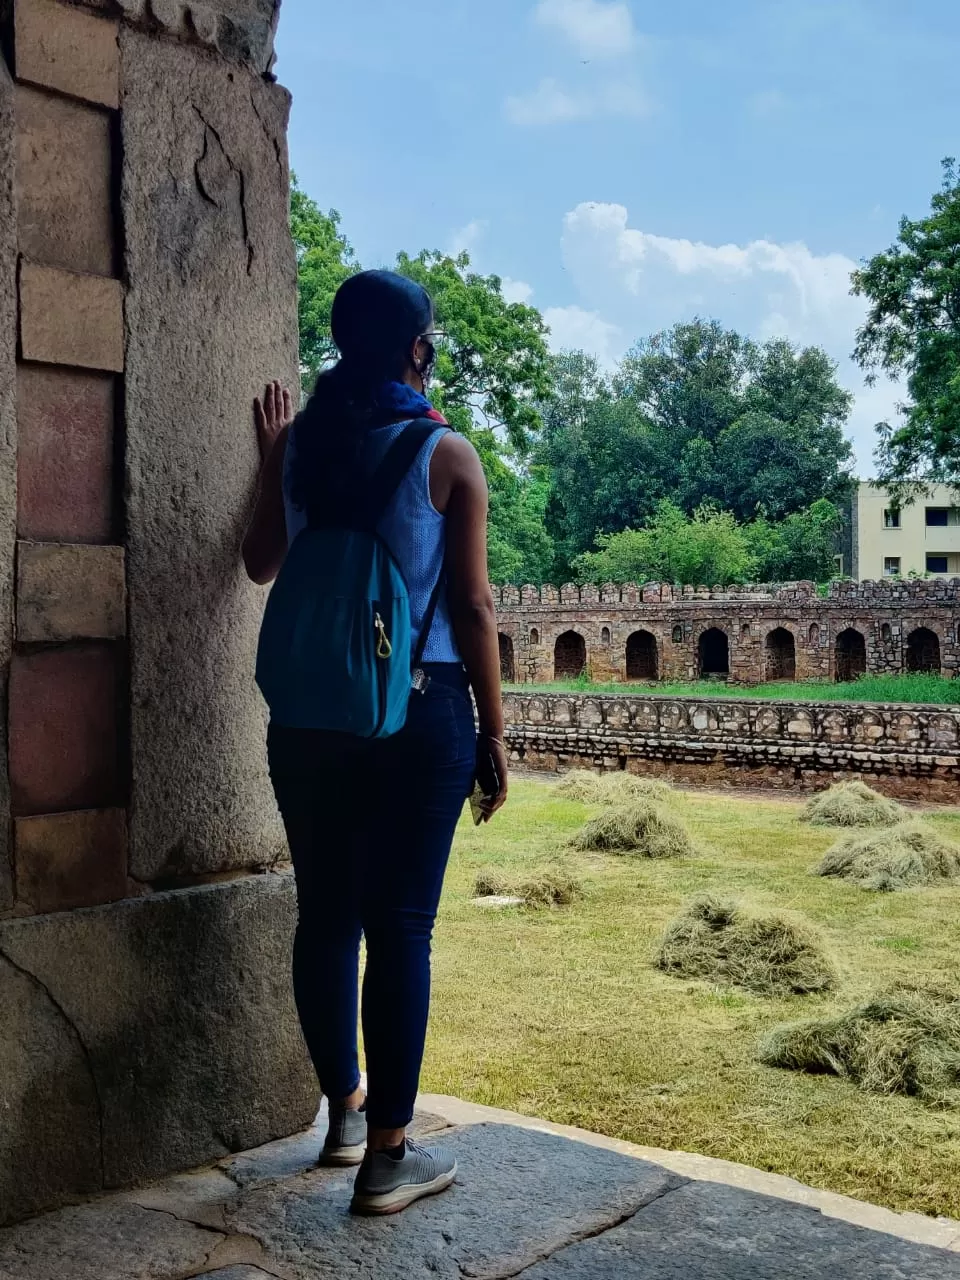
(146, 1022)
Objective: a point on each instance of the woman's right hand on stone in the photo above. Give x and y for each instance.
(274, 412)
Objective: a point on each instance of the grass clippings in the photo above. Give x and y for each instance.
(602, 788)
(550, 886)
(852, 804)
(641, 829)
(770, 955)
(903, 1041)
(902, 857)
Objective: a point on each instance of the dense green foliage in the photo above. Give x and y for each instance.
(705, 457)
(913, 329)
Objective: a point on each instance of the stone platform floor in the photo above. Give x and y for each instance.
(531, 1200)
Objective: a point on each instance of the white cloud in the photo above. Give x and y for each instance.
(639, 282)
(516, 290)
(466, 239)
(551, 103)
(595, 29)
(574, 329)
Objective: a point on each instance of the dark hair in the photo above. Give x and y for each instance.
(376, 317)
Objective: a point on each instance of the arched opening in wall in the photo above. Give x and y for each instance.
(886, 633)
(745, 631)
(534, 635)
(678, 634)
(851, 655)
(923, 650)
(814, 634)
(508, 666)
(605, 635)
(713, 653)
(569, 656)
(781, 655)
(642, 657)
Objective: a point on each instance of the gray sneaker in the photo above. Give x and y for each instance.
(386, 1184)
(346, 1139)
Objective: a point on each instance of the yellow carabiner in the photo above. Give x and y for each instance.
(384, 647)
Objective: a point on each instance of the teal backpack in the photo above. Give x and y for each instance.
(335, 649)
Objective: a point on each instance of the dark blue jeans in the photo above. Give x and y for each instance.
(370, 825)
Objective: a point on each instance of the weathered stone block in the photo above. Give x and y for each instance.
(65, 424)
(64, 198)
(70, 592)
(8, 443)
(66, 49)
(208, 252)
(66, 318)
(64, 749)
(70, 860)
(175, 1011)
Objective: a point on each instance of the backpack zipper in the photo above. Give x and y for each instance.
(384, 651)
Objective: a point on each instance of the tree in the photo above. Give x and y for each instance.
(913, 329)
(711, 547)
(325, 258)
(707, 547)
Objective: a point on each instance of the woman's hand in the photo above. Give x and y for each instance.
(497, 752)
(272, 414)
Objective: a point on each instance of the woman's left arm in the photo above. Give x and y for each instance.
(265, 545)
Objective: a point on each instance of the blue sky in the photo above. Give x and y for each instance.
(624, 165)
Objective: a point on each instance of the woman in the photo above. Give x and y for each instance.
(370, 823)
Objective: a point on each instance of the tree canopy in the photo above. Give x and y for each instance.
(913, 329)
(704, 457)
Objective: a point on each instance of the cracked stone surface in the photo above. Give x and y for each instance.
(526, 1202)
(211, 314)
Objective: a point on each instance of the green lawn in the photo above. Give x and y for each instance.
(560, 1014)
(908, 688)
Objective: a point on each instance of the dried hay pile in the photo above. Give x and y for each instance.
(641, 829)
(900, 857)
(771, 955)
(550, 886)
(903, 1041)
(852, 804)
(603, 788)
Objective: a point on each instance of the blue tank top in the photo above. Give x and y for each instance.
(413, 529)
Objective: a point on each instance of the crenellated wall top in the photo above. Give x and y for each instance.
(925, 590)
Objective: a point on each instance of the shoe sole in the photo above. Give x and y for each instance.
(400, 1198)
(343, 1157)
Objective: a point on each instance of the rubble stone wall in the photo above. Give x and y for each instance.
(907, 751)
(750, 635)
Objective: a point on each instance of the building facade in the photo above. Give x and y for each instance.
(746, 635)
(901, 542)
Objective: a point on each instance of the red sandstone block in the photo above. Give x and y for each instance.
(64, 729)
(72, 319)
(65, 426)
(64, 48)
(70, 860)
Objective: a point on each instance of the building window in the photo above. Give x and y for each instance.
(891, 566)
(838, 566)
(891, 518)
(886, 633)
(814, 633)
(936, 564)
(678, 635)
(605, 635)
(938, 517)
(534, 636)
(745, 631)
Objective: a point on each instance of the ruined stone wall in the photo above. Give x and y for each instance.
(907, 751)
(146, 1021)
(787, 631)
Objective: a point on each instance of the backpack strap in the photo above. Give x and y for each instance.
(398, 460)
